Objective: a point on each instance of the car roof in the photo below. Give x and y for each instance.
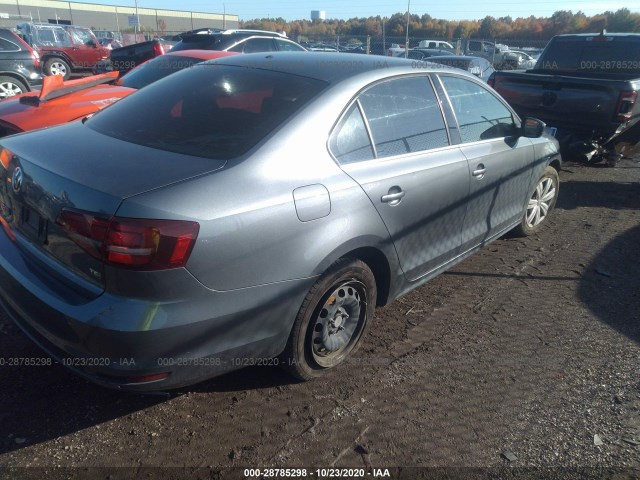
(330, 67)
(457, 57)
(56, 25)
(429, 50)
(202, 54)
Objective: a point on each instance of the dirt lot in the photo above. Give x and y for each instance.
(525, 355)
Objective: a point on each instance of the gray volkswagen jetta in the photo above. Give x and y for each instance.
(254, 210)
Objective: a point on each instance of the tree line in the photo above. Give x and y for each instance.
(425, 26)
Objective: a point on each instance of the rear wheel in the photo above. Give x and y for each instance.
(541, 202)
(333, 319)
(57, 66)
(9, 87)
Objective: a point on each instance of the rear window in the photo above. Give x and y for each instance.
(592, 54)
(212, 111)
(156, 69)
(202, 42)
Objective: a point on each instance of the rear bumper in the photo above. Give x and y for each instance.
(114, 341)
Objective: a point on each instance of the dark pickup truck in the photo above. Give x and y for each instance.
(585, 88)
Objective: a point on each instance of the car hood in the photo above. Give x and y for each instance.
(27, 116)
(82, 156)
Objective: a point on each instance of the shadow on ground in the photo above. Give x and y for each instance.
(610, 287)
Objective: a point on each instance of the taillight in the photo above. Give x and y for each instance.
(626, 101)
(157, 49)
(34, 55)
(136, 243)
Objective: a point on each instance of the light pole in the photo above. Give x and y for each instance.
(224, 16)
(384, 42)
(406, 40)
(137, 21)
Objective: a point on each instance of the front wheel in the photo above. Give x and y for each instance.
(541, 202)
(332, 320)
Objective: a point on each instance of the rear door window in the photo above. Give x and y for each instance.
(254, 45)
(7, 46)
(404, 116)
(287, 46)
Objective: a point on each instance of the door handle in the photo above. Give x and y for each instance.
(393, 197)
(479, 171)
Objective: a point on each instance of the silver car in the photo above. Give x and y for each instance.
(254, 210)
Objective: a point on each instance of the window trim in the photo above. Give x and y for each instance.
(356, 99)
(16, 49)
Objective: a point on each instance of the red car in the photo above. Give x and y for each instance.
(64, 49)
(61, 102)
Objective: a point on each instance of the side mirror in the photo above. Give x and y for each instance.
(532, 127)
(91, 43)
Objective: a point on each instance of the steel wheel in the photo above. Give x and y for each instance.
(332, 320)
(338, 323)
(540, 203)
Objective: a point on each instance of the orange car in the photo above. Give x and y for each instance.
(61, 102)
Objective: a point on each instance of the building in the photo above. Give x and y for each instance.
(318, 15)
(108, 17)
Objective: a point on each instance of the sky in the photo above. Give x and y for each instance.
(344, 9)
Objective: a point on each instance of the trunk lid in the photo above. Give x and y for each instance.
(51, 170)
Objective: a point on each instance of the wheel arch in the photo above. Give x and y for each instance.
(18, 77)
(49, 55)
(556, 164)
(380, 258)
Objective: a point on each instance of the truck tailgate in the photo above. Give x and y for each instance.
(561, 101)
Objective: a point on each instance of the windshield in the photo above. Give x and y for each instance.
(211, 110)
(156, 69)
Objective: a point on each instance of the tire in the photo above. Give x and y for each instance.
(57, 66)
(9, 87)
(540, 203)
(322, 336)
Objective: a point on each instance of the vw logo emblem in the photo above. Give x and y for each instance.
(16, 180)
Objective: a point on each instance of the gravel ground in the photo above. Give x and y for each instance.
(523, 361)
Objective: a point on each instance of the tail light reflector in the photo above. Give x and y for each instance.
(626, 102)
(5, 157)
(136, 243)
(34, 55)
(157, 49)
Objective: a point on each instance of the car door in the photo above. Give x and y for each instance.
(86, 52)
(394, 142)
(500, 160)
